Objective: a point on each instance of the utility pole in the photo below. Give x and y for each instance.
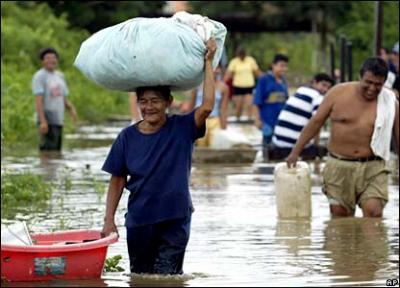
(349, 54)
(378, 27)
(342, 58)
(332, 58)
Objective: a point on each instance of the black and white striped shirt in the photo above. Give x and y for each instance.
(296, 113)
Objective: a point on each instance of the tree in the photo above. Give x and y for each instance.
(354, 19)
(96, 15)
(358, 27)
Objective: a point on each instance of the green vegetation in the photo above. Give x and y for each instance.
(25, 190)
(28, 26)
(96, 15)
(358, 27)
(112, 264)
(99, 186)
(25, 30)
(329, 19)
(66, 178)
(299, 46)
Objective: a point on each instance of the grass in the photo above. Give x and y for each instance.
(26, 190)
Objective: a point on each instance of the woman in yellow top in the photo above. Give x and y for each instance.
(243, 69)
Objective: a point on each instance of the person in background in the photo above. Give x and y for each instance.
(223, 63)
(270, 97)
(391, 77)
(134, 109)
(156, 154)
(296, 113)
(394, 58)
(51, 91)
(243, 70)
(219, 115)
(364, 115)
(385, 54)
(337, 73)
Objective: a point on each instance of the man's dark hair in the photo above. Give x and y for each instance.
(48, 50)
(163, 91)
(376, 66)
(324, 77)
(280, 57)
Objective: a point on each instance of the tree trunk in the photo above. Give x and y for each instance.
(323, 39)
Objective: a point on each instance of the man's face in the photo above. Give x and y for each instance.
(371, 85)
(280, 68)
(322, 86)
(153, 107)
(50, 61)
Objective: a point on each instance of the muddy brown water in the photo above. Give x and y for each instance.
(236, 237)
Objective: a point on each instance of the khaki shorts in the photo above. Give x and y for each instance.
(211, 125)
(348, 183)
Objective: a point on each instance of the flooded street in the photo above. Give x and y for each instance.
(236, 237)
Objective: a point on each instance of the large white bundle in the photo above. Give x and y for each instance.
(151, 52)
(228, 138)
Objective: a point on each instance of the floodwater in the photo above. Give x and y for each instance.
(236, 237)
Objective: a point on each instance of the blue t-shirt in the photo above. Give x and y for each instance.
(159, 167)
(270, 97)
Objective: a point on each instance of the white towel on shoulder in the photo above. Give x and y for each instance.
(380, 143)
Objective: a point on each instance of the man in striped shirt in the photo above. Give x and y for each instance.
(296, 113)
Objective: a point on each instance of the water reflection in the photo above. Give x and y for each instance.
(205, 178)
(48, 165)
(58, 283)
(358, 247)
(294, 235)
(236, 238)
(143, 280)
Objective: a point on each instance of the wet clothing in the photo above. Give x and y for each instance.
(237, 91)
(159, 167)
(159, 204)
(270, 97)
(351, 182)
(243, 71)
(53, 88)
(52, 140)
(158, 248)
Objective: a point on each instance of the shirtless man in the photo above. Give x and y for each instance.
(353, 173)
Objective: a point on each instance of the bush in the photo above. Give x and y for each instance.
(25, 190)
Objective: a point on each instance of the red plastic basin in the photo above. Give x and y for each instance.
(75, 254)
